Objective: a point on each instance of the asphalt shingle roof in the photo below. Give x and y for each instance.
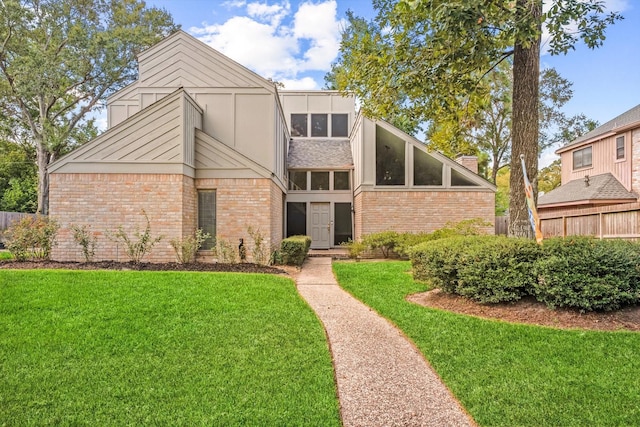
(601, 187)
(631, 116)
(319, 154)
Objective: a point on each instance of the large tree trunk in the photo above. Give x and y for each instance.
(43, 159)
(524, 132)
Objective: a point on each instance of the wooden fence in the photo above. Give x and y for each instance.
(7, 218)
(502, 225)
(607, 222)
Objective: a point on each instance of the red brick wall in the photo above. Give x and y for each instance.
(107, 201)
(241, 203)
(416, 211)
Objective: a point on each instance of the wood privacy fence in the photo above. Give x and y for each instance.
(607, 222)
(7, 218)
(502, 225)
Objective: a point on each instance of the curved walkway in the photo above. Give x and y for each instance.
(383, 380)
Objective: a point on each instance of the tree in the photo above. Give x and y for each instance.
(430, 55)
(550, 177)
(18, 177)
(59, 59)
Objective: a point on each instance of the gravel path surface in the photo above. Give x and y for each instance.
(382, 378)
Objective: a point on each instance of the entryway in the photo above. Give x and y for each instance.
(321, 225)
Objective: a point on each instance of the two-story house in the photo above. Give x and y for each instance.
(600, 183)
(199, 141)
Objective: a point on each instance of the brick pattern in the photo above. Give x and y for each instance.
(244, 202)
(469, 162)
(106, 201)
(420, 211)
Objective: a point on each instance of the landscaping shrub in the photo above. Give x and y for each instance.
(355, 248)
(31, 238)
(588, 274)
(140, 245)
(486, 269)
(187, 248)
(259, 250)
(226, 252)
(294, 249)
(385, 241)
(83, 236)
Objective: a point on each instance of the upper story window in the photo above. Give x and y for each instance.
(582, 158)
(319, 180)
(320, 125)
(620, 147)
(390, 158)
(426, 169)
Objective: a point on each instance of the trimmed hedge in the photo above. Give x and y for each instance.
(588, 274)
(486, 269)
(294, 249)
(579, 272)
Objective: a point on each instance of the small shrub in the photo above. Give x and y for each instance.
(259, 250)
(187, 248)
(136, 248)
(355, 248)
(226, 252)
(385, 241)
(83, 236)
(294, 249)
(486, 269)
(588, 274)
(32, 238)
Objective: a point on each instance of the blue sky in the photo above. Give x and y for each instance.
(294, 42)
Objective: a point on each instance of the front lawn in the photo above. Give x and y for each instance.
(149, 348)
(508, 374)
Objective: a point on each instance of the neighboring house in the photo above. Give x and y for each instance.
(600, 183)
(199, 141)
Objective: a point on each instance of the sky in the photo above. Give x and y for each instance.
(295, 42)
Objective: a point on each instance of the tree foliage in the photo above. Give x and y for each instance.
(422, 61)
(59, 59)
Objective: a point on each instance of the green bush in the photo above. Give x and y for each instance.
(294, 249)
(355, 248)
(140, 244)
(187, 249)
(83, 236)
(588, 274)
(385, 241)
(486, 269)
(31, 238)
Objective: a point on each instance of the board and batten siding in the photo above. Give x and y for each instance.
(603, 161)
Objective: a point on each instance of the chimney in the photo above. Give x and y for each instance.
(469, 162)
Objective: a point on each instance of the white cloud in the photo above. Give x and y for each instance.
(276, 42)
(305, 83)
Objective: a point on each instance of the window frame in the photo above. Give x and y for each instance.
(620, 148)
(582, 152)
(210, 242)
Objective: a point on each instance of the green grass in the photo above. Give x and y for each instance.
(5, 255)
(144, 348)
(508, 374)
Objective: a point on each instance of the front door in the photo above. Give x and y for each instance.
(320, 225)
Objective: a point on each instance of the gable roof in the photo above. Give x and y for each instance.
(319, 153)
(611, 127)
(604, 188)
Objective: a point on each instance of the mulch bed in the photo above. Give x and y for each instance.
(530, 311)
(245, 267)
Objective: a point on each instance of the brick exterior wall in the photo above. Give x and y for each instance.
(241, 203)
(420, 211)
(469, 162)
(106, 201)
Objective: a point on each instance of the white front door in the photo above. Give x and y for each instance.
(320, 225)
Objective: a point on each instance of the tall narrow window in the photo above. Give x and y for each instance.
(339, 125)
(319, 125)
(582, 158)
(207, 216)
(390, 165)
(342, 229)
(620, 147)
(296, 219)
(298, 125)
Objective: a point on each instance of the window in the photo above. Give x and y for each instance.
(298, 180)
(319, 180)
(620, 147)
(426, 169)
(389, 158)
(341, 181)
(207, 216)
(339, 125)
(342, 229)
(459, 180)
(296, 219)
(582, 158)
(319, 125)
(298, 125)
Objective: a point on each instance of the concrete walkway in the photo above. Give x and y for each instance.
(382, 378)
